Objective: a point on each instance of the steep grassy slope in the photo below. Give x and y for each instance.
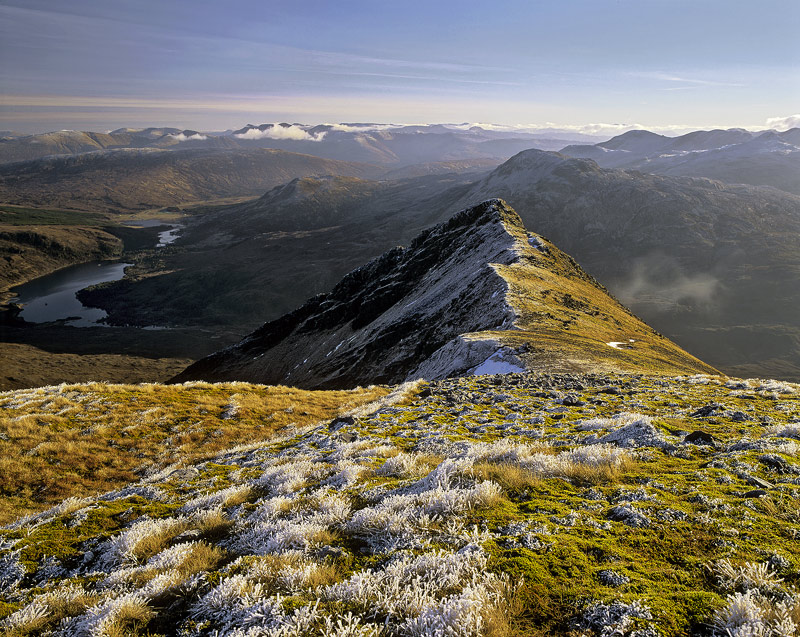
(516, 505)
(715, 267)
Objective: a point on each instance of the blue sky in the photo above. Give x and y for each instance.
(668, 65)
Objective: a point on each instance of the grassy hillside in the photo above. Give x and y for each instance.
(506, 505)
(74, 440)
(567, 321)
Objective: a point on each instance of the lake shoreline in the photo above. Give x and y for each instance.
(158, 232)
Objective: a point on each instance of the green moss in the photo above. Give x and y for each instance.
(60, 540)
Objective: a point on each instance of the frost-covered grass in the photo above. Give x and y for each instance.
(521, 505)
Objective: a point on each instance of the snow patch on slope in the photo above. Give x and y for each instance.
(471, 356)
(501, 362)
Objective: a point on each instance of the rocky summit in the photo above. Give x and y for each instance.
(477, 294)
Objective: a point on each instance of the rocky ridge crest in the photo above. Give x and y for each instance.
(475, 294)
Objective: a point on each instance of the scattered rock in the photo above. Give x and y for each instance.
(629, 516)
(342, 421)
(348, 436)
(758, 482)
(776, 463)
(755, 493)
(699, 438)
(778, 562)
(571, 400)
(612, 578)
(706, 410)
(186, 473)
(329, 551)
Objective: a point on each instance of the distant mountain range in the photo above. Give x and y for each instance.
(737, 156)
(716, 267)
(375, 143)
(474, 295)
(137, 179)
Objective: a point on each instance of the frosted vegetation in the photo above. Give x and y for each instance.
(522, 504)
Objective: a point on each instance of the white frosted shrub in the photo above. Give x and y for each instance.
(789, 431)
(746, 577)
(121, 550)
(286, 478)
(409, 586)
(101, 620)
(28, 615)
(459, 615)
(347, 473)
(449, 472)
(403, 465)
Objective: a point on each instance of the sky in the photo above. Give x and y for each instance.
(595, 66)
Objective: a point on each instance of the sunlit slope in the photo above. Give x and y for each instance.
(76, 440)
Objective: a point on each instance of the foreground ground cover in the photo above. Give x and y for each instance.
(495, 505)
(75, 440)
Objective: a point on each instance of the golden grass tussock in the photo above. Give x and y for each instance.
(274, 571)
(130, 619)
(511, 477)
(204, 557)
(501, 618)
(58, 607)
(156, 541)
(603, 473)
(213, 525)
(515, 478)
(56, 442)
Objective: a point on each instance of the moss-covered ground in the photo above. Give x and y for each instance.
(522, 504)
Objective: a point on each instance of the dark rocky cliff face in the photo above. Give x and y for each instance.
(384, 318)
(473, 294)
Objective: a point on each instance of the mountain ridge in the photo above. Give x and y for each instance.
(767, 158)
(727, 243)
(484, 293)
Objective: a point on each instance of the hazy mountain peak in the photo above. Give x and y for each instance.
(734, 155)
(636, 140)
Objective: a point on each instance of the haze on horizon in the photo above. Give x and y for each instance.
(593, 66)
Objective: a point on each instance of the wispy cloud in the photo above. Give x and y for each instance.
(429, 78)
(362, 128)
(682, 79)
